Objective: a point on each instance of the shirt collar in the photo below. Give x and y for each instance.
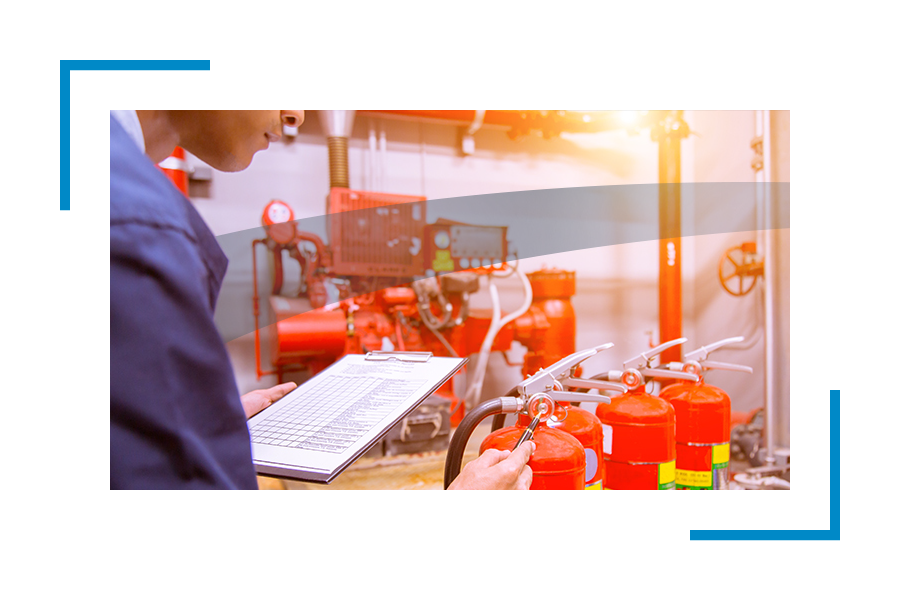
(132, 126)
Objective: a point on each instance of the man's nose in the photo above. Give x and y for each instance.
(292, 118)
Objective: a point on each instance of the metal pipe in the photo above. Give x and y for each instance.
(337, 126)
(769, 295)
(338, 163)
(373, 149)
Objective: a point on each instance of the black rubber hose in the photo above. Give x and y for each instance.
(498, 422)
(460, 439)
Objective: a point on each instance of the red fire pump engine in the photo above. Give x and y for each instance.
(702, 421)
(362, 298)
(559, 460)
(639, 428)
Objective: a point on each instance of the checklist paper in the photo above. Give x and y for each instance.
(329, 421)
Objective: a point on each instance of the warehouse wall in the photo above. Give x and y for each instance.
(617, 286)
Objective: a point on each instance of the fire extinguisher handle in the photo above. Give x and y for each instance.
(667, 374)
(564, 396)
(726, 366)
(598, 384)
(702, 353)
(545, 379)
(648, 355)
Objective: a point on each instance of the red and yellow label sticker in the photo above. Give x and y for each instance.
(716, 478)
(667, 476)
(720, 455)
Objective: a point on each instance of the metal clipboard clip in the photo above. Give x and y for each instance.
(406, 356)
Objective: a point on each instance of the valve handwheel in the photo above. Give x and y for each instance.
(739, 270)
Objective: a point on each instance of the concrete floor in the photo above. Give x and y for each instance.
(419, 471)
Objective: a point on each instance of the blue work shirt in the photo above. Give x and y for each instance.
(175, 415)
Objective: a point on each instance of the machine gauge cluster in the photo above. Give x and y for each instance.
(455, 246)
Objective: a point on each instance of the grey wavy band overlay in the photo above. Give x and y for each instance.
(539, 222)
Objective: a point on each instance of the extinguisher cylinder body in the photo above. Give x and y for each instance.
(587, 430)
(558, 462)
(702, 435)
(638, 442)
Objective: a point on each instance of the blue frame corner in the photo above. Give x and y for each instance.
(65, 134)
(834, 531)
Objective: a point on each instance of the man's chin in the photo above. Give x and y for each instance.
(232, 163)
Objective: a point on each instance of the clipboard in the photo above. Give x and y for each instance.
(319, 429)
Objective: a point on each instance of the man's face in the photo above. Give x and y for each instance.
(227, 140)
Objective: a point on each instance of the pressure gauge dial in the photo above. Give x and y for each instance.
(278, 219)
(278, 212)
(442, 240)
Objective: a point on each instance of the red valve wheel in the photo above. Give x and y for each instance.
(736, 274)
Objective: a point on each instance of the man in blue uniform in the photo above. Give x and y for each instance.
(176, 418)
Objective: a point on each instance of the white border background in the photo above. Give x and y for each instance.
(69, 533)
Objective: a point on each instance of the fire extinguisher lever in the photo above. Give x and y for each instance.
(546, 379)
(726, 366)
(701, 357)
(643, 360)
(597, 384)
(702, 353)
(668, 374)
(565, 396)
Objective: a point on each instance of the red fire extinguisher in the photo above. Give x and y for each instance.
(587, 429)
(702, 422)
(559, 460)
(639, 428)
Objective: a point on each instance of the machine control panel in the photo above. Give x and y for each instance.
(452, 246)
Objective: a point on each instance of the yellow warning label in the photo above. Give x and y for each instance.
(666, 472)
(691, 478)
(598, 485)
(721, 453)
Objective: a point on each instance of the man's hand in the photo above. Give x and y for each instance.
(497, 470)
(257, 400)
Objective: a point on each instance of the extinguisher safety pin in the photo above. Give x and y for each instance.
(553, 417)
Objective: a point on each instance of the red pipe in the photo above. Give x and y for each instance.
(668, 132)
(259, 372)
(550, 123)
